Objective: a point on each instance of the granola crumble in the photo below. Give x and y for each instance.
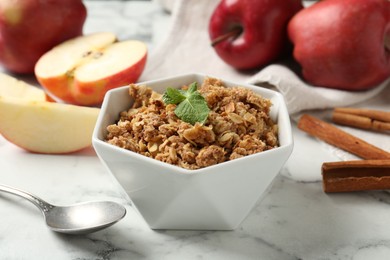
(238, 125)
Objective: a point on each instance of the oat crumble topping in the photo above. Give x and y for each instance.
(238, 125)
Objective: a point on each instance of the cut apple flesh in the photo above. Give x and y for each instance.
(113, 59)
(82, 70)
(45, 127)
(67, 56)
(11, 87)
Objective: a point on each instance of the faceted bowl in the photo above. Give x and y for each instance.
(217, 197)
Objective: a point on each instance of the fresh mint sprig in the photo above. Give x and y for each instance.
(191, 105)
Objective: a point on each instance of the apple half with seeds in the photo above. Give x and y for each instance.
(81, 70)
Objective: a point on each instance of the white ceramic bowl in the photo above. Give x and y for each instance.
(217, 197)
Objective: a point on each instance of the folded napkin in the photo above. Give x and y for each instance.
(187, 49)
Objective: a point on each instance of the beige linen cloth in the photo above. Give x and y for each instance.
(187, 50)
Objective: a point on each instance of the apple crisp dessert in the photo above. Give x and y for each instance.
(237, 124)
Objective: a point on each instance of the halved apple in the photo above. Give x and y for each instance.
(81, 70)
(46, 127)
(12, 87)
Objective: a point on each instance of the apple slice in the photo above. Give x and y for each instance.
(81, 70)
(46, 127)
(12, 87)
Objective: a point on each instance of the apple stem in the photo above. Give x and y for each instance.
(234, 33)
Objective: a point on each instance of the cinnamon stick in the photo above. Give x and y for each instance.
(359, 175)
(362, 118)
(383, 116)
(340, 138)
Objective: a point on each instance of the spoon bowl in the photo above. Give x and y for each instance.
(81, 218)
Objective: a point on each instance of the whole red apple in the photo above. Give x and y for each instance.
(343, 44)
(29, 28)
(248, 34)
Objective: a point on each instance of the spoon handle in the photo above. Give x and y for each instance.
(41, 204)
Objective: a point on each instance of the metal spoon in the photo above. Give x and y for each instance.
(80, 218)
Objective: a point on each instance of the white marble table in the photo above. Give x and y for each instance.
(295, 220)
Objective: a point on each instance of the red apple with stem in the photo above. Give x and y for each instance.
(247, 34)
(29, 28)
(343, 44)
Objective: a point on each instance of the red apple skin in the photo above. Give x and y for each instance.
(341, 44)
(264, 30)
(33, 27)
(58, 89)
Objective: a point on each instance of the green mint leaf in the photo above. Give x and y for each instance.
(173, 96)
(191, 108)
(192, 88)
